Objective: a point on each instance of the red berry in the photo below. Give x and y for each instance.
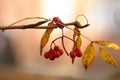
(51, 54)
(46, 55)
(72, 54)
(78, 52)
(57, 54)
(51, 51)
(56, 19)
(51, 57)
(61, 24)
(61, 51)
(56, 48)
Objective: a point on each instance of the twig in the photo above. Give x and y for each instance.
(38, 26)
(28, 18)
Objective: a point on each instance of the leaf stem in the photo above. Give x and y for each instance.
(69, 38)
(54, 41)
(79, 34)
(83, 16)
(28, 18)
(86, 38)
(63, 43)
(73, 30)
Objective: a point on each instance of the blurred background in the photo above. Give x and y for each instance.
(19, 49)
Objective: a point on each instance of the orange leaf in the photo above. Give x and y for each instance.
(107, 57)
(45, 38)
(88, 56)
(108, 44)
(77, 43)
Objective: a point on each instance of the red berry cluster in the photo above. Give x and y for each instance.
(56, 52)
(58, 21)
(53, 53)
(75, 53)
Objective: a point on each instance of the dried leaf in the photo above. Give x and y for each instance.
(88, 56)
(45, 38)
(108, 44)
(76, 32)
(77, 43)
(107, 57)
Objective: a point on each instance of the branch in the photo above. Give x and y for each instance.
(38, 26)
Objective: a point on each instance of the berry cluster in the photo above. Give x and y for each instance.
(75, 53)
(56, 52)
(58, 21)
(53, 53)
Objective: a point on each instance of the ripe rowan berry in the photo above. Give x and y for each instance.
(51, 51)
(46, 55)
(51, 57)
(49, 54)
(61, 51)
(61, 24)
(57, 54)
(78, 52)
(72, 54)
(56, 48)
(56, 19)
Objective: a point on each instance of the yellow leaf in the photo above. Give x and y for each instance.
(88, 56)
(45, 38)
(108, 44)
(76, 32)
(107, 57)
(77, 43)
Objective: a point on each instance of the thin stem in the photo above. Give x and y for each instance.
(79, 33)
(83, 16)
(86, 38)
(63, 43)
(73, 30)
(54, 41)
(69, 38)
(27, 19)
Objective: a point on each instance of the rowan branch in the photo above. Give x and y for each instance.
(39, 26)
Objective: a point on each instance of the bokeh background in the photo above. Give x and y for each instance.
(19, 49)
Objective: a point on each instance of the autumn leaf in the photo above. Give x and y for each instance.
(77, 43)
(88, 56)
(45, 38)
(76, 32)
(108, 44)
(107, 57)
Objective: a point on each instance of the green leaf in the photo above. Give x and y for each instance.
(88, 56)
(107, 57)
